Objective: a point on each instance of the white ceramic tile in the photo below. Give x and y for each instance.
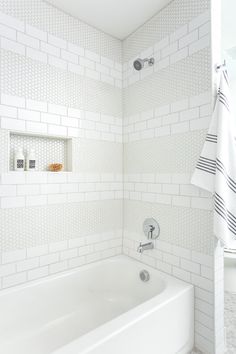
(38, 273)
(12, 202)
(8, 44)
(59, 42)
(13, 256)
(36, 200)
(188, 39)
(84, 75)
(35, 32)
(36, 105)
(50, 49)
(28, 115)
(7, 32)
(75, 49)
(15, 279)
(8, 111)
(58, 63)
(14, 101)
(36, 55)
(68, 56)
(27, 40)
(200, 44)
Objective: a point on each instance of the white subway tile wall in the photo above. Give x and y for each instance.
(170, 119)
(177, 187)
(43, 22)
(49, 51)
(181, 263)
(53, 86)
(57, 188)
(188, 42)
(55, 124)
(17, 267)
(167, 110)
(136, 137)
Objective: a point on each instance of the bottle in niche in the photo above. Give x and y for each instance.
(19, 160)
(31, 161)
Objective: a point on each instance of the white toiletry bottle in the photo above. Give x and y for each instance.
(31, 161)
(19, 160)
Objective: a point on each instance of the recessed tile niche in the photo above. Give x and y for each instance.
(47, 149)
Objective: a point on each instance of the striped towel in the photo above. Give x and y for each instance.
(216, 168)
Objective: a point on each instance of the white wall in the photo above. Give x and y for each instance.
(167, 109)
(59, 77)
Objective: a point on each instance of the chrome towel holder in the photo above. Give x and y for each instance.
(221, 66)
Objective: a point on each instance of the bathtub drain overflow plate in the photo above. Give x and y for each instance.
(144, 275)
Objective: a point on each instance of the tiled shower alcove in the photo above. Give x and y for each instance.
(47, 150)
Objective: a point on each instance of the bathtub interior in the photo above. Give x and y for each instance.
(47, 314)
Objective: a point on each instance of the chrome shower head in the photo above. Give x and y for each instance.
(139, 63)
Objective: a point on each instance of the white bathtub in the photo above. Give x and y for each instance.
(102, 308)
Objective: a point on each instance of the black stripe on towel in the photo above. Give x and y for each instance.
(230, 182)
(205, 170)
(206, 165)
(220, 93)
(209, 161)
(223, 95)
(211, 141)
(223, 100)
(221, 201)
(230, 187)
(224, 103)
(226, 180)
(211, 138)
(219, 162)
(225, 73)
(219, 212)
(225, 214)
(209, 164)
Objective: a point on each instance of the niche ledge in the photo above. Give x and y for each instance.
(48, 150)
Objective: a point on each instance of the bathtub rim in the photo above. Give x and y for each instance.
(31, 283)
